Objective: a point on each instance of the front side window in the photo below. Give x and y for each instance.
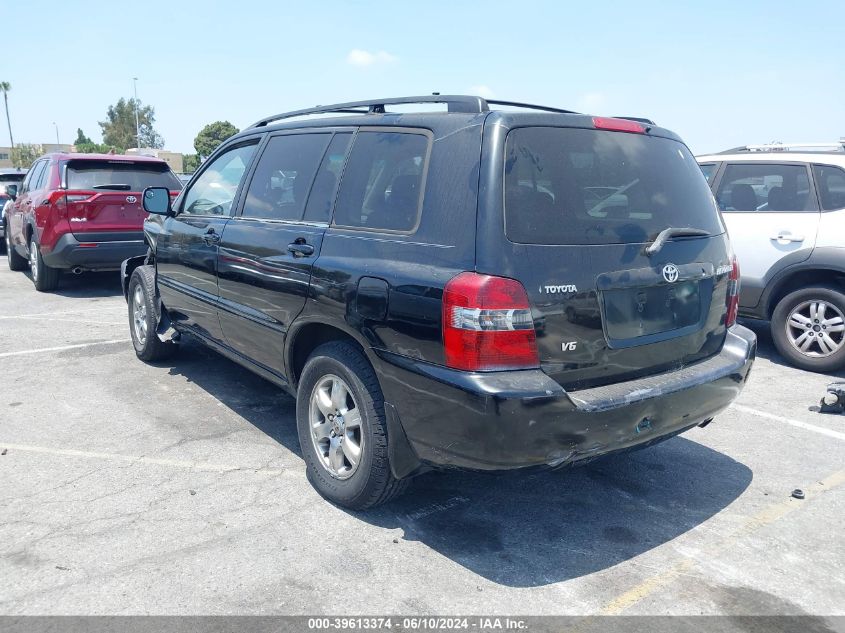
(383, 182)
(765, 187)
(283, 177)
(831, 183)
(214, 191)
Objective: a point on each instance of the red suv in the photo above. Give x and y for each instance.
(80, 212)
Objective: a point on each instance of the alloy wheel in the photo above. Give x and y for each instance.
(33, 259)
(335, 422)
(139, 315)
(816, 328)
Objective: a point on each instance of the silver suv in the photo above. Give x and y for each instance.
(784, 206)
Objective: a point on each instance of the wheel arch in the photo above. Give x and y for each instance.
(306, 335)
(802, 278)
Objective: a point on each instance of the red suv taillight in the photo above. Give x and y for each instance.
(732, 300)
(487, 324)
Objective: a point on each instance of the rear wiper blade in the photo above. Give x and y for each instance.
(666, 234)
(113, 187)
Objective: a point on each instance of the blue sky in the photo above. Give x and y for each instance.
(719, 73)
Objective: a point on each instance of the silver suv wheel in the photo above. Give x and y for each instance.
(816, 328)
(33, 259)
(139, 315)
(335, 422)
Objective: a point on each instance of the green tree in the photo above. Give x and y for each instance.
(191, 163)
(81, 139)
(211, 136)
(119, 128)
(25, 154)
(94, 148)
(5, 87)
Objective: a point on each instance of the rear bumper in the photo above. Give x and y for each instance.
(507, 420)
(69, 253)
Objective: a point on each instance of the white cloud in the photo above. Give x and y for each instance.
(591, 101)
(364, 59)
(482, 91)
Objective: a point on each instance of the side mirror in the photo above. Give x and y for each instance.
(157, 201)
(12, 191)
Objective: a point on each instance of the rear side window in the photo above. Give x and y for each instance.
(709, 170)
(284, 174)
(120, 175)
(765, 187)
(831, 183)
(579, 186)
(33, 176)
(324, 189)
(383, 182)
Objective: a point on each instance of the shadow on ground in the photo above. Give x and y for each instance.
(518, 529)
(90, 285)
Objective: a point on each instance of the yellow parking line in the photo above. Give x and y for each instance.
(765, 517)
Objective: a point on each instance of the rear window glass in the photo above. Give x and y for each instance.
(579, 186)
(100, 174)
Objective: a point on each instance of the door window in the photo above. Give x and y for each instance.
(33, 176)
(43, 177)
(283, 177)
(214, 191)
(765, 187)
(709, 170)
(383, 181)
(831, 183)
(319, 207)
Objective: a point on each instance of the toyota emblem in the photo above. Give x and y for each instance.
(670, 273)
(131, 199)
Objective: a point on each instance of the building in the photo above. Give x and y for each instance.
(174, 159)
(40, 148)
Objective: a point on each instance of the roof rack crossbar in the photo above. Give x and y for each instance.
(835, 146)
(455, 103)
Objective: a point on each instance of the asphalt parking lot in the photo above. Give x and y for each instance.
(178, 488)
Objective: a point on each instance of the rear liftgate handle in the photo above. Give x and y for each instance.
(211, 237)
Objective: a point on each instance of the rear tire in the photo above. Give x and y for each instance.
(808, 329)
(46, 279)
(143, 319)
(16, 262)
(335, 427)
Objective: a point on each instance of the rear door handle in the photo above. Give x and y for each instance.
(786, 236)
(211, 237)
(300, 249)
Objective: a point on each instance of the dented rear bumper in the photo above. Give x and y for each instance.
(507, 420)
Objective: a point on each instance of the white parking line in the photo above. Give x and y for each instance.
(797, 423)
(135, 459)
(50, 314)
(61, 348)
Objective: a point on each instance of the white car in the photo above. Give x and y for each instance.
(784, 206)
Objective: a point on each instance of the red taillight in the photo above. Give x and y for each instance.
(732, 300)
(618, 125)
(487, 324)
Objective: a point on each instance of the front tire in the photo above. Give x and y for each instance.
(16, 262)
(808, 329)
(46, 279)
(143, 319)
(342, 429)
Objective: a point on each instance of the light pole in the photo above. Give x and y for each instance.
(137, 124)
(57, 133)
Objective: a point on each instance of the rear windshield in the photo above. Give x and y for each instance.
(578, 186)
(92, 174)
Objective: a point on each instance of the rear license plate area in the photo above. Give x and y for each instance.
(642, 311)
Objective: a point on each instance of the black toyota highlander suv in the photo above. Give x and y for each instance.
(473, 288)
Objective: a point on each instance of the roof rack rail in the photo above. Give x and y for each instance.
(455, 103)
(835, 146)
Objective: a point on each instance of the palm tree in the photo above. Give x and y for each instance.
(5, 87)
